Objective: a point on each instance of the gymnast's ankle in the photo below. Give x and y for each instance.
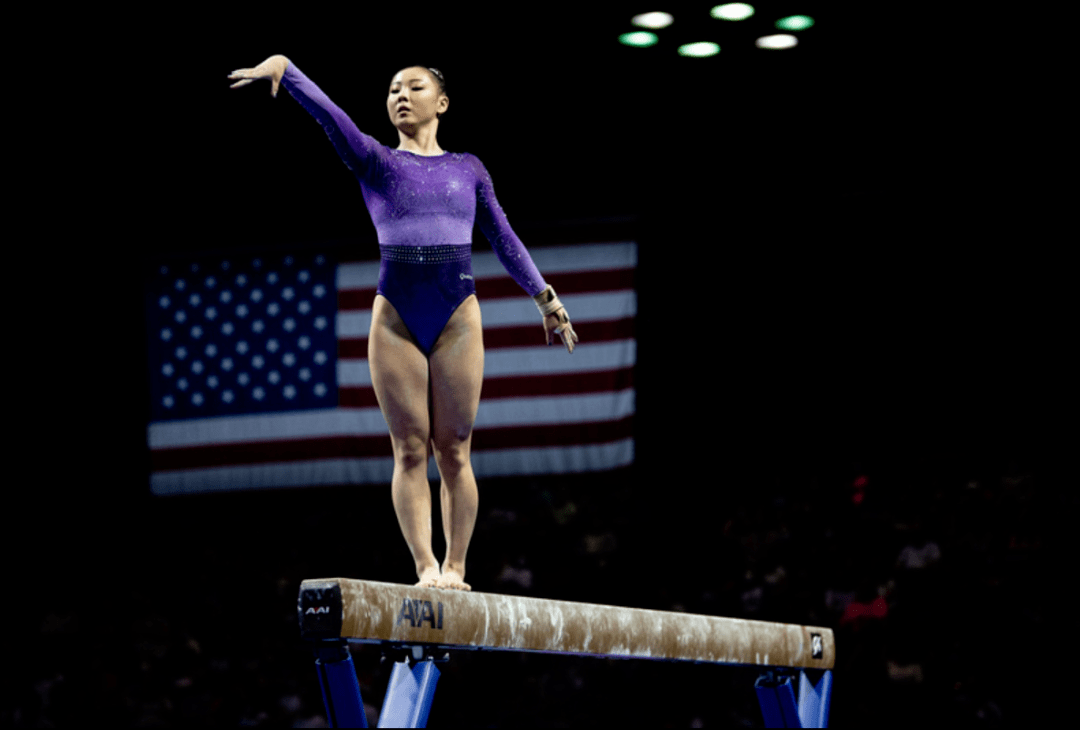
(428, 575)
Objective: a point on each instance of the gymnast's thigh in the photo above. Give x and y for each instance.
(457, 374)
(399, 376)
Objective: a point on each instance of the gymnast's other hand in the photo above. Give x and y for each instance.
(559, 324)
(272, 68)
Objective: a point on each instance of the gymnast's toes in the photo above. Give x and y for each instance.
(452, 581)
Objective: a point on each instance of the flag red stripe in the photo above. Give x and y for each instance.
(523, 336)
(518, 387)
(560, 434)
(563, 384)
(570, 282)
(343, 447)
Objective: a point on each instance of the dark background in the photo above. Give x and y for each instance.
(847, 269)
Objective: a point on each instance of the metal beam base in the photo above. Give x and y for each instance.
(776, 695)
(408, 695)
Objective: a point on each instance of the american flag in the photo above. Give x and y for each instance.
(259, 375)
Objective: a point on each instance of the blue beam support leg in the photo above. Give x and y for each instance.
(340, 688)
(409, 694)
(776, 695)
(814, 700)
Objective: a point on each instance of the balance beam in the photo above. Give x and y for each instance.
(369, 612)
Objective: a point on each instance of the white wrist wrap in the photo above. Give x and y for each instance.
(552, 306)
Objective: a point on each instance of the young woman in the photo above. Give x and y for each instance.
(425, 347)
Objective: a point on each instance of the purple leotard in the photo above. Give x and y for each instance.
(423, 209)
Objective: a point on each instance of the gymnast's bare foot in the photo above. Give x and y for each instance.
(452, 579)
(429, 577)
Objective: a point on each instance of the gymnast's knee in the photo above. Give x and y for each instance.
(411, 453)
(452, 455)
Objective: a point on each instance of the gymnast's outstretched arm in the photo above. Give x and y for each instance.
(356, 149)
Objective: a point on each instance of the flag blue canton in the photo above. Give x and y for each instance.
(233, 335)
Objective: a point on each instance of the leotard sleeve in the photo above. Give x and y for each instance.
(357, 150)
(508, 247)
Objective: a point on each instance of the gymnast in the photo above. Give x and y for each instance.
(425, 346)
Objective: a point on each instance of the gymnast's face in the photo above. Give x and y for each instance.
(415, 90)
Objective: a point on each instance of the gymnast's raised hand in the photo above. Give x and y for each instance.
(556, 319)
(272, 68)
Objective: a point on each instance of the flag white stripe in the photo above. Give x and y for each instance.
(515, 361)
(486, 464)
(547, 410)
(485, 264)
(513, 312)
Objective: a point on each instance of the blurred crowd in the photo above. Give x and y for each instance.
(183, 611)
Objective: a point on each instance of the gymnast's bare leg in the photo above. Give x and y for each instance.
(403, 379)
(457, 374)
(399, 376)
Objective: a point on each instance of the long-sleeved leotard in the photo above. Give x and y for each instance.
(423, 209)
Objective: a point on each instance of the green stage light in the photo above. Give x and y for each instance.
(638, 39)
(795, 22)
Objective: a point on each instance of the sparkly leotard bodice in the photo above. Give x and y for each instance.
(418, 201)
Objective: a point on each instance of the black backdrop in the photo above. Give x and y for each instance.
(845, 271)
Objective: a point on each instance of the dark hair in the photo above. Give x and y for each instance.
(438, 75)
